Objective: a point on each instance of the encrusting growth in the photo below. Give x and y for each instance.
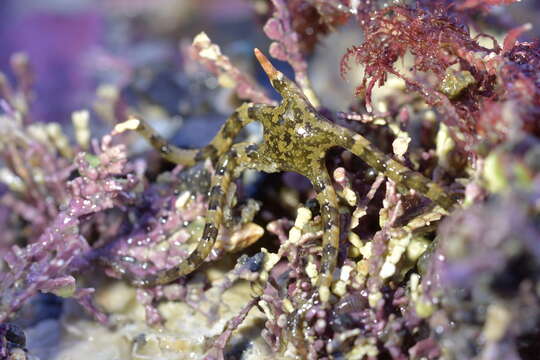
(295, 138)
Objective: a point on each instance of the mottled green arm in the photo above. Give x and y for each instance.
(220, 144)
(328, 201)
(394, 170)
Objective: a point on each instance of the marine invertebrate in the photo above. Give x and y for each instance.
(296, 138)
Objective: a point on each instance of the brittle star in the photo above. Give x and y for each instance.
(296, 138)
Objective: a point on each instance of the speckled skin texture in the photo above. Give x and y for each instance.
(296, 138)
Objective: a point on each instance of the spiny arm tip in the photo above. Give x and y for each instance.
(267, 66)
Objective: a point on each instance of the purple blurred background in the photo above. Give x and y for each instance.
(74, 45)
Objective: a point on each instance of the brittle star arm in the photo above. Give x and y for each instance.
(230, 165)
(328, 202)
(394, 170)
(260, 157)
(221, 142)
(214, 218)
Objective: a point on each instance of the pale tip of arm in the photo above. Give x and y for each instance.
(131, 124)
(267, 66)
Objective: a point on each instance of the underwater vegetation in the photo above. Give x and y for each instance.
(415, 236)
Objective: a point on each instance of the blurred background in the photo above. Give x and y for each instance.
(78, 47)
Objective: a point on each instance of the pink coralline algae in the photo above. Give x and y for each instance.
(47, 264)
